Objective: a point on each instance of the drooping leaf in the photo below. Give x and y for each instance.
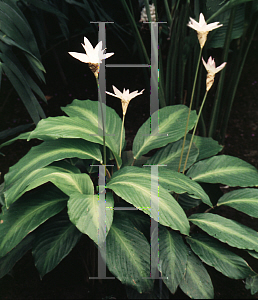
(244, 200)
(124, 260)
(83, 211)
(133, 184)
(227, 231)
(172, 258)
(55, 239)
(215, 254)
(179, 183)
(50, 151)
(224, 169)
(27, 214)
(59, 173)
(196, 283)
(172, 123)
(170, 156)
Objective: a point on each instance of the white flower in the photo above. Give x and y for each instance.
(125, 97)
(210, 66)
(93, 56)
(144, 17)
(202, 28)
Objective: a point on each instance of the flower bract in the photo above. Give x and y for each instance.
(125, 97)
(210, 66)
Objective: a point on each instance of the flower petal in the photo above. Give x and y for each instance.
(80, 56)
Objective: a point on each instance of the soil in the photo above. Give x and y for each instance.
(70, 278)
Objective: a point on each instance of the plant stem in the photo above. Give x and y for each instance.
(189, 112)
(195, 127)
(122, 128)
(103, 125)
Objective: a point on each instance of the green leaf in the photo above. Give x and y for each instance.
(22, 136)
(196, 283)
(244, 200)
(50, 151)
(133, 184)
(217, 37)
(9, 260)
(83, 211)
(187, 202)
(227, 231)
(215, 254)
(48, 7)
(224, 169)
(207, 146)
(59, 173)
(12, 131)
(172, 123)
(170, 156)
(85, 126)
(55, 240)
(179, 183)
(251, 283)
(27, 214)
(124, 260)
(172, 258)
(89, 111)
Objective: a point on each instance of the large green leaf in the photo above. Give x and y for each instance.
(50, 151)
(59, 173)
(133, 184)
(172, 123)
(128, 254)
(27, 214)
(206, 145)
(179, 183)
(227, 231)
(90, 110)
(76, 128)
(170, 156)
(83, 211)
(224, 169)
(9, 260)
(215, 254)
(245, 200)
(55, 239)
(172, 258)
(196, 283)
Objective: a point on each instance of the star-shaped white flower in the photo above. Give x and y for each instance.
(210, 66)
(202, 28)
(93, 56)
(125, 97)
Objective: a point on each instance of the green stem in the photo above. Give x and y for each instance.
(189, 111)
(103, 125)
(195, 127)
(122, 128)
